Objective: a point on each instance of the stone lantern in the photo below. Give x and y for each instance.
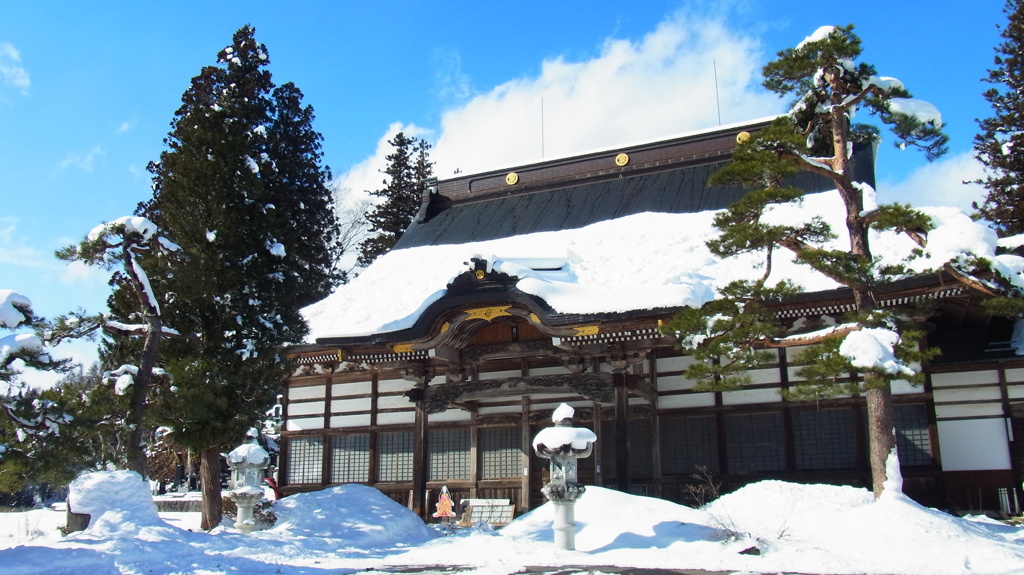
(563, 444)
(247, 462)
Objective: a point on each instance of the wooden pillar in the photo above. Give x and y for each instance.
(655, 427)
(419, 464)
(621, 431)
(527, 448)
(598, 446)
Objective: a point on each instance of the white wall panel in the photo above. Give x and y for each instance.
(352, 388)
(304, 423)
(748, 396)
(965, 378)
(362, 404)
(310, 408)
(398, 418)
(970, 445)
(490, 410)
(311, 392)
(394, 402)
(392, 385)
(974, 410)
(674, 363)
(1016, 375)
(342, 421)
(690, 400)
(975, 394)
(453, 414)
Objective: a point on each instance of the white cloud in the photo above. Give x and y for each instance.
(82, 160)
(124, 127)
(939, 183)
(15, 253)
(10, 68)
(81, 352)
(662, 85)
(452, 83)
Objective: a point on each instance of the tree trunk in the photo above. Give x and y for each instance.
(209, 477)
(881, 432)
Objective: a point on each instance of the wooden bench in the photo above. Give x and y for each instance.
(496, 512)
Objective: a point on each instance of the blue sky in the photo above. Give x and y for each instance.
(87, 91)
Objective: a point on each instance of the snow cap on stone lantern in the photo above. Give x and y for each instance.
(563, 437)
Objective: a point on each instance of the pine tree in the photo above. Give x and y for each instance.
(241, 174)
(729, 335)
(1000, 143)
(408, 168)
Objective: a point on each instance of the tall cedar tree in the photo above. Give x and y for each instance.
(730, 334)
(1000, 143)
(241, 190)
(408, 168)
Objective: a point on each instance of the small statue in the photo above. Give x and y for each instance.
(444, 505)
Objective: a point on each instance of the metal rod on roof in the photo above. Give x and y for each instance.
(542, 127)
(718, 103)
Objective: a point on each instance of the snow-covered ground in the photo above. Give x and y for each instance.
(793, 528)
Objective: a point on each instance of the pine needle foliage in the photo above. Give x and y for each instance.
(408, 168)
(999, 144)
(729, 335)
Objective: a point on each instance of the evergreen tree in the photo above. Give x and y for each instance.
(123, 244)
(1000, 143)
(408, 167)
(240, 174)
(305, 208)
(730, 334)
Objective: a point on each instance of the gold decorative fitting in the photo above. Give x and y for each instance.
(587, 330)
(444, 328)
(341, 356)
(512, 178)
(621, 159)
(403, 348)
(488, 313)
(534, 318)
(479, 274)
(742, 137)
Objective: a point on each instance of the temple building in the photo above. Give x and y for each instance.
(519, 289)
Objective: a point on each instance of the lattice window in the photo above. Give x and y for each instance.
(305, 460)
(350, 458)
(449, 454)
(913, 438)
(755, 442)
(640, 464)
(501, 454)
(394, 460)
(687, 443)
(639, 448)
(824, 439)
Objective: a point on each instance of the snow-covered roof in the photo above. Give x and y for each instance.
(640, 262)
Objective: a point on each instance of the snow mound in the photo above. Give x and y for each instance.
(771, 509)
(115, 499)
(608, 519)
(358, 515)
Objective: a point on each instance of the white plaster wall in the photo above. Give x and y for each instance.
(689, 400)
(341, 421)
(965, 378)
(353, 388)
(390, 385)
(311, 392)
(748, 396)
(312, 407)
(304, 423)
(396, 418)
(973, 444)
